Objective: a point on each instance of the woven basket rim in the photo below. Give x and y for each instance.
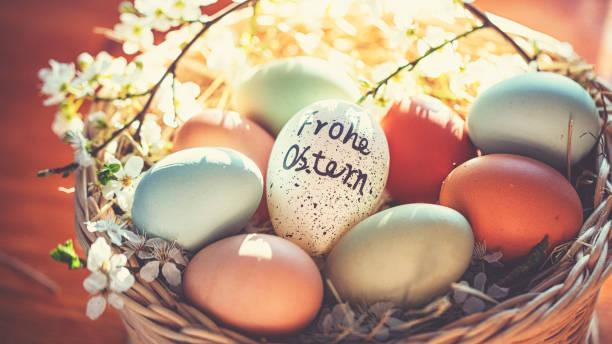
(565, 300)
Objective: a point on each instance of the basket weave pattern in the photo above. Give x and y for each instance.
(558, 309)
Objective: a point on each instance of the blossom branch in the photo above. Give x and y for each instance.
(488, 23)
(67, 169)
(412, 64)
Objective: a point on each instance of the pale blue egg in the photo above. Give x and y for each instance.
(529, 115)
(198, 195)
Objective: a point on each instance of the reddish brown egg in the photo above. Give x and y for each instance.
(512, 202)
(218, 128)
(426, 141)
(258, 283)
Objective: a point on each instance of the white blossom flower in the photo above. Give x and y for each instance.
(135, 31)
(178, 100)
(154, 10)
(136, 244)
(103, 70)
(115, 229)
(79, 143)
(56, 81)
(84, 60)
(225, 55)
(65, 122)
(186, 9)
(445, 60)
(151, 138)
(124, 186)
(165, 254)
(109, 276)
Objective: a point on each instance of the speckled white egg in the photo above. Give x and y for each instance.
(529, 115)
(197, 195)
(327, 169)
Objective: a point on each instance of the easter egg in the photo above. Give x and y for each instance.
(426, 141)
(258, 283)
(530, 114)
(218, 128)
(197, 195)
(513, 202)
(407, 255)
(327, 169)
(274, 92)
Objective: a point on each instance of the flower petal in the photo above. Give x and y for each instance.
(142, 254)
(99, 252)
(172, 274)
(176, 255)
(95, 307)
(115, 236)
(132, 237)
(150, 271)
(95, 282)
(116, 300)
(118, 260)
(121, 280)
(133, 166)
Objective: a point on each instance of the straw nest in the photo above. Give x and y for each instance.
(556, 307)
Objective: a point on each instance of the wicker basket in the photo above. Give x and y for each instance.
(559, 309)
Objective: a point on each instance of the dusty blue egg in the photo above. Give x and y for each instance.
(198, 195)
(529, 115)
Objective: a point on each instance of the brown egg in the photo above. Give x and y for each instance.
(218, 128)
(258, 283)
(512, 202)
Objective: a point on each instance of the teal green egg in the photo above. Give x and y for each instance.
(198, 195)
(274, 92)
(408, 255)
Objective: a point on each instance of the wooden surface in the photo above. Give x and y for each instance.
(35, 216)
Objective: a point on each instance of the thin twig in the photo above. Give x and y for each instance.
(487, 22)
(412, 64)
(28, 271)
(66, 170)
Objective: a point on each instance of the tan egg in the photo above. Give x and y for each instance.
(258, 283)
(218, 128)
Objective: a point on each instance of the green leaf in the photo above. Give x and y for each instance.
(113, 167)
(65, 254)
(107, 173)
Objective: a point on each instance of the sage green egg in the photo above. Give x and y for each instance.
(197, 195)
(272, 93)
(530, 114)
(408, 255)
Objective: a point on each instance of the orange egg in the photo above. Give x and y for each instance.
(426, 141)
(218, 128)
(258, 283)
(512, 202)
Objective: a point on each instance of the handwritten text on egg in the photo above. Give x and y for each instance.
(335, 132)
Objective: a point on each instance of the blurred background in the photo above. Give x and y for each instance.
(35, 216)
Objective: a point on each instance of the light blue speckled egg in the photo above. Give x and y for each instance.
(529, 115)
(198, 195)
(274, 92)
